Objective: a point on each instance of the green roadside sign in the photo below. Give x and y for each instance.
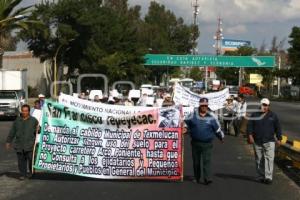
(209, 60)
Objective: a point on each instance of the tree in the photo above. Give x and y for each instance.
(107, 37)
(230, 74)
(162, 32)
(9, 21)
(89, 35)
(294, 54)
(196, 74)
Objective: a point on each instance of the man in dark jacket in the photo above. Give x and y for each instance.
(23, 133)
(203, 126)
(263, 132)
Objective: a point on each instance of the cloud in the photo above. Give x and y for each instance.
(235, 30)
(234, 11)
(254, 20)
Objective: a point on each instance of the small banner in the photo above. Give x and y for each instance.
(110, 142)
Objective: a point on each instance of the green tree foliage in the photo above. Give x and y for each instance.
(9, 21)
(106, 37)
(196, 74)
(162, 32)
(89, 35)
(294, 55)
(230, 74)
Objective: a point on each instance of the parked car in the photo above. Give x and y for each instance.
(9, 104)
(13, 92)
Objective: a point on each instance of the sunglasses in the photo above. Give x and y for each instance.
(265, 105)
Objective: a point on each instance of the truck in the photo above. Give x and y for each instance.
(186, 82)
(13, 92)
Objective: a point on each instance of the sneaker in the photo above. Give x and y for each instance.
(22, 178)
(268, 181)
(207, 182)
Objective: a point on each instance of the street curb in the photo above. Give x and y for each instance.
(290, 148)
(295, 144)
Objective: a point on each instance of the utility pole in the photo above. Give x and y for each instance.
(241, 77)
(278, 78)
(195, 6)
(218, 37)
(196, 10)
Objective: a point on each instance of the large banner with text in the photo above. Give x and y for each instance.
(111, 142)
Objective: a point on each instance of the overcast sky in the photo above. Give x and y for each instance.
(254, 20)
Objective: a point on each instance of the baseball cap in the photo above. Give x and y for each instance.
(41, 96)
(265, 101)
(203, 101)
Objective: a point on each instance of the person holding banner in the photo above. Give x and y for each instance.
(228, 115)
(23, 134)
(203, 126)
(168, 101)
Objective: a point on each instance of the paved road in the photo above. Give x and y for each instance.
(289, 115)
(233, 173)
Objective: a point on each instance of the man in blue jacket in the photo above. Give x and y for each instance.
(263, 132)
(203, 126)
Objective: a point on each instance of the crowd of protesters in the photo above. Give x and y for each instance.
(202, 125)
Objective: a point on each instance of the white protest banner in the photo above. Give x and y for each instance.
(99, 143)
(37, 114)
(216, 100)
(106, 109)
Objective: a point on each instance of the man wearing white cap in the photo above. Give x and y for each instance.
(263, 132)
(41, 99)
